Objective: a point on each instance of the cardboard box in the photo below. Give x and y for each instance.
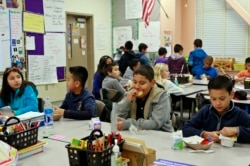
(137, 152)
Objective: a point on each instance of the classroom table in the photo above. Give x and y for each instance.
(200, 82)
(55, 152)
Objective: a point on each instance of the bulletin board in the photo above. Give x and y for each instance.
(119, 20)
(38, 7)
(41, 48)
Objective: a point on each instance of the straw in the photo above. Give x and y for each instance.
(182, 68)
(223, 71)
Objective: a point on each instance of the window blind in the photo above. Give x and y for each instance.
(223, 31)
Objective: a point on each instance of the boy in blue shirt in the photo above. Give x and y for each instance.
(207, 69)
(79, 103)
(221, 116)
(196, 57)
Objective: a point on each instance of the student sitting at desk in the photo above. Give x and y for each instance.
(209, 71)
(99, 76)
(221, 116)
(146, 105)
(244, 73)
(161, 76)
(112, 79)
(17, 93)
(79, 103)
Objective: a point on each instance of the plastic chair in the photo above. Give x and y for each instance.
(99, 107)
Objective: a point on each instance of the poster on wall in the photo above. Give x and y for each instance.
(120, 36)
(42, 69)
(150, 35)
(54, 15)
(133, 9)
(54, 45)
(17, 51)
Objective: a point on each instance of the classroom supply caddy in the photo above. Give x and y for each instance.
(85, 151)
(18, 134)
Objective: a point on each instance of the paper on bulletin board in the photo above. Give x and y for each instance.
(5, 60)
(33, 22)
(42, 69)
(54, 45)
(5, 24)
(150, 35)
(30, 43)
(121, 35)
(16, 24)
(54, 15)
(133, 9)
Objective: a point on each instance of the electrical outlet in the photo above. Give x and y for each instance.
(46, 87)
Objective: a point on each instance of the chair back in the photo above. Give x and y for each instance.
(40, 104)
(99, 107)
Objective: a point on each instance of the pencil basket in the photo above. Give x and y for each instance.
(18, 140)
(80, 157)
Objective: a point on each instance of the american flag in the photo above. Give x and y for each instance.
(147, 8)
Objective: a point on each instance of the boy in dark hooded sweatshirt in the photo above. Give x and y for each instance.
(126, 57)
(176, 62)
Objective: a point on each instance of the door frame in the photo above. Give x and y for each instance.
(90, 45)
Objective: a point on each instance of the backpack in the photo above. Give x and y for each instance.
(200, 101)
(240, 95)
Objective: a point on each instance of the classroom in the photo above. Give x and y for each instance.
(46, 39)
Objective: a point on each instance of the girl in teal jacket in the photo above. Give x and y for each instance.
(17, 93)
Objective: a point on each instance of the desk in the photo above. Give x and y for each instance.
(55, 152)
(187, 91)
(200, 82)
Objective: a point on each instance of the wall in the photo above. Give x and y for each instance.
(101, 11)
(181, 22)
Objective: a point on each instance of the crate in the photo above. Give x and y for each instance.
(22, 139)
(224, 63)
(80, 157)
(239, 66)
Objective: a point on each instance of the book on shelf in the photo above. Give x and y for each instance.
(31, 150)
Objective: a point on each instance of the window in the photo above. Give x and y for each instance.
(223, 31)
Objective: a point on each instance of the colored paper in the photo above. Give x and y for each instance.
(33, 22)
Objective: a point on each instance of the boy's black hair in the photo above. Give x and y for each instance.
(162, 51)
(209, 58)
(146, 71)
(142, 46)
(6, 91)
(221, 82)
(198, 43)
(178, 48)
(247, 60)
(133, 62)
(109, 67)
(129, 45)
(79, 73)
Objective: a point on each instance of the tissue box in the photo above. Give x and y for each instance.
(95, 123)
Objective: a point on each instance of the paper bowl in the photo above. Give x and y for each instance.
(198, 146)
(56, 117)
(227, 143)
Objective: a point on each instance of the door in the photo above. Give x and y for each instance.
(79, 39)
